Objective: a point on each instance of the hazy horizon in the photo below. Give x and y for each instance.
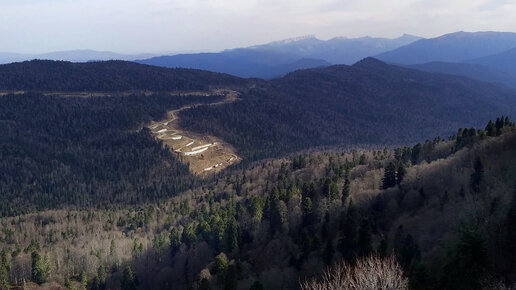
(163, 26)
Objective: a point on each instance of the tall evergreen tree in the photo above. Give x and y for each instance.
(389, 178)
(478, 176)
(100, 280)
(128, 279)
(232, 234)
(469, 262)
(490, 129)
(4, 271)
(84, 280)
(365, 246)
(39, 273)
(348, 245)
(175, 240)
(346, 189)
(400, 174)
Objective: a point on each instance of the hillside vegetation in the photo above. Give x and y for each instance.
(107, 76)
(279, 220)
(90, 199)
(367, 103)
(57, 151)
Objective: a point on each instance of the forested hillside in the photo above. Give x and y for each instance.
(91, 199)
(367, 103)
(452, 47)
(57, 151)
(107, 76)
(473, 71)
(279, 221)
(247, 63)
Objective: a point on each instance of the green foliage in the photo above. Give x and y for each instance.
(221, 264)
(189, 236)
(137, 247)
(99, 283)
(469, 262)
(175, 240)
(41, 268)
(490, 129)
(112, 248)
(68, 284)
(84, 280)
(299, 162)
(478, 176)
(389, 178)
(232, 234)
(128, 279)
(256, 207)
(4, 271)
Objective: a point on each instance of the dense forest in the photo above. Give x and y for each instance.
(367, 103)
(57, 151)
(106, 76)
(281, 221)
(89, 198)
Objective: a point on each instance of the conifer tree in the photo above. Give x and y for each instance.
(400, 174)
(4, 271)
(232, 234)
(346, 189)
(389, 178)
(128, 279)
(365, 246)
(478, 176)
(39, 274)
(490, 129)
(84, 280)
(348, 244)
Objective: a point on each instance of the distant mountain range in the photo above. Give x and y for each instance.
(504, 61)
(469, 70)
(278, 58)
(81, 55)
(338, 50)
(453, 47)
(239, 62)
(486, 56)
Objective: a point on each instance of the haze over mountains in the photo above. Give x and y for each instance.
(486, 56)
(79, 55)
(277, 58)
(92, 197)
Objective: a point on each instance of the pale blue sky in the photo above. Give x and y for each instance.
(131, 26)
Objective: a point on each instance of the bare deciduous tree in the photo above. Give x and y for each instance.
(371, 273)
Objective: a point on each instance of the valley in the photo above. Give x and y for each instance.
(204, 154)
(129, 176)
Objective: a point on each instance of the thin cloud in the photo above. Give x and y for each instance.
(163, 25)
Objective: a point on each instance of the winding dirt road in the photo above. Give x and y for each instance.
(205, 154)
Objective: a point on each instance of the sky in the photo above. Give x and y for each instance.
(159, 26)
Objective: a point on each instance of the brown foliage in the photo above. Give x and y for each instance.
(367, 274)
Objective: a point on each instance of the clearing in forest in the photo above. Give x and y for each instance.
(205, 154)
